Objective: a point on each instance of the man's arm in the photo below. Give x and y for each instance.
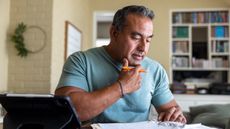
(171, 112)
(91, 104)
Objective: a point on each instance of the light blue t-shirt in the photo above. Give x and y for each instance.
(94, 69)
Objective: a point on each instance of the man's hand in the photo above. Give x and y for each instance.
(172, 114)
(130, 79)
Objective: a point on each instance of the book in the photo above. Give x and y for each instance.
(182, 32)
(219, 31)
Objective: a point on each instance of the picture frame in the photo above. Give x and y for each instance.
(73, 39)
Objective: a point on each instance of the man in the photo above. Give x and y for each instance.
(102, 86)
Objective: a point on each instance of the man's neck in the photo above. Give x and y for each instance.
(109, 49)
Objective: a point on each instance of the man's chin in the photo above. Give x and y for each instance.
(134, 63)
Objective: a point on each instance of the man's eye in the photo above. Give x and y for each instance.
(136, 37)
(149, 40)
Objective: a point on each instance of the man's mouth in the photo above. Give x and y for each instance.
(138, 56)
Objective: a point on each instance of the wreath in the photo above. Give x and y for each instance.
(18, 39)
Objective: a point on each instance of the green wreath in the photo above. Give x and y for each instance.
(18, 39)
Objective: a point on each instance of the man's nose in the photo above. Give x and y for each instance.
(142, 45)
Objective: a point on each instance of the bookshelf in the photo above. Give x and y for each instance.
(200, 46)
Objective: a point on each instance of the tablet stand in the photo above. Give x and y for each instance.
(23, 112)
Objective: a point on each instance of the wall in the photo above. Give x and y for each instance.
(160, 46)
(78, 13)
(30, 74)
(228, 2)
(4, 24)
(40, 72)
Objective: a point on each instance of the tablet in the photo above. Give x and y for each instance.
(39, 109)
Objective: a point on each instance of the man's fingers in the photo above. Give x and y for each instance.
(161, 116)
(169, 113)
(175, 115)
(181, 119)
(125, 62)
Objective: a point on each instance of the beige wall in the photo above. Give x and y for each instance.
(40, 72)
(228, 2)
(4, 24)
(78, 13)
(159, 49)
(30, 74)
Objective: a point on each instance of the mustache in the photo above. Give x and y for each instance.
(140, 53)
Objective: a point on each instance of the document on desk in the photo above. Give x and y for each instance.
(149, 125)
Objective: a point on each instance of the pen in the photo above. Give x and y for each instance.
(126, 68)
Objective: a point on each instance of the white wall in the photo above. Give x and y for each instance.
(4, 24)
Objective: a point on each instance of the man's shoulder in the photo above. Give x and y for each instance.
(89, 52)
(150, 62)
(94, 50)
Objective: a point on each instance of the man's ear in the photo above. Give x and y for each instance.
(113, 32)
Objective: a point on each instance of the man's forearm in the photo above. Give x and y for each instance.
(90, 104)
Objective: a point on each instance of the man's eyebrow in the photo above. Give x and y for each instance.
(150, 36)
(137, 33)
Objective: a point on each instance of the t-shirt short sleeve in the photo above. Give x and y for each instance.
(162, 94)
(74, 72)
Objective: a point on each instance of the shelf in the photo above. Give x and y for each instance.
(180, 54)
(220, 54)
(219, 38)
(199, 24)
(200, 69)
(180, 39)
(200, 45)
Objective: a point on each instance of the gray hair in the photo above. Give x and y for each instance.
(120, 16)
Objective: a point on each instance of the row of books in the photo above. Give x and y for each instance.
(180, 32)
(216, 62)
(220, 31)
(217, 32)
(220, 46)
(180, 62)
(180, 47)
(183, 88)
(201, 17)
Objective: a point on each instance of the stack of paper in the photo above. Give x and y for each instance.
(149, 125)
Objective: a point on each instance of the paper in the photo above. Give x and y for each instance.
(149, 125)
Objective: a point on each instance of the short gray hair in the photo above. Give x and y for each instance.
(119, 18)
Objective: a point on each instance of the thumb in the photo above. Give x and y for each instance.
(125, 62)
